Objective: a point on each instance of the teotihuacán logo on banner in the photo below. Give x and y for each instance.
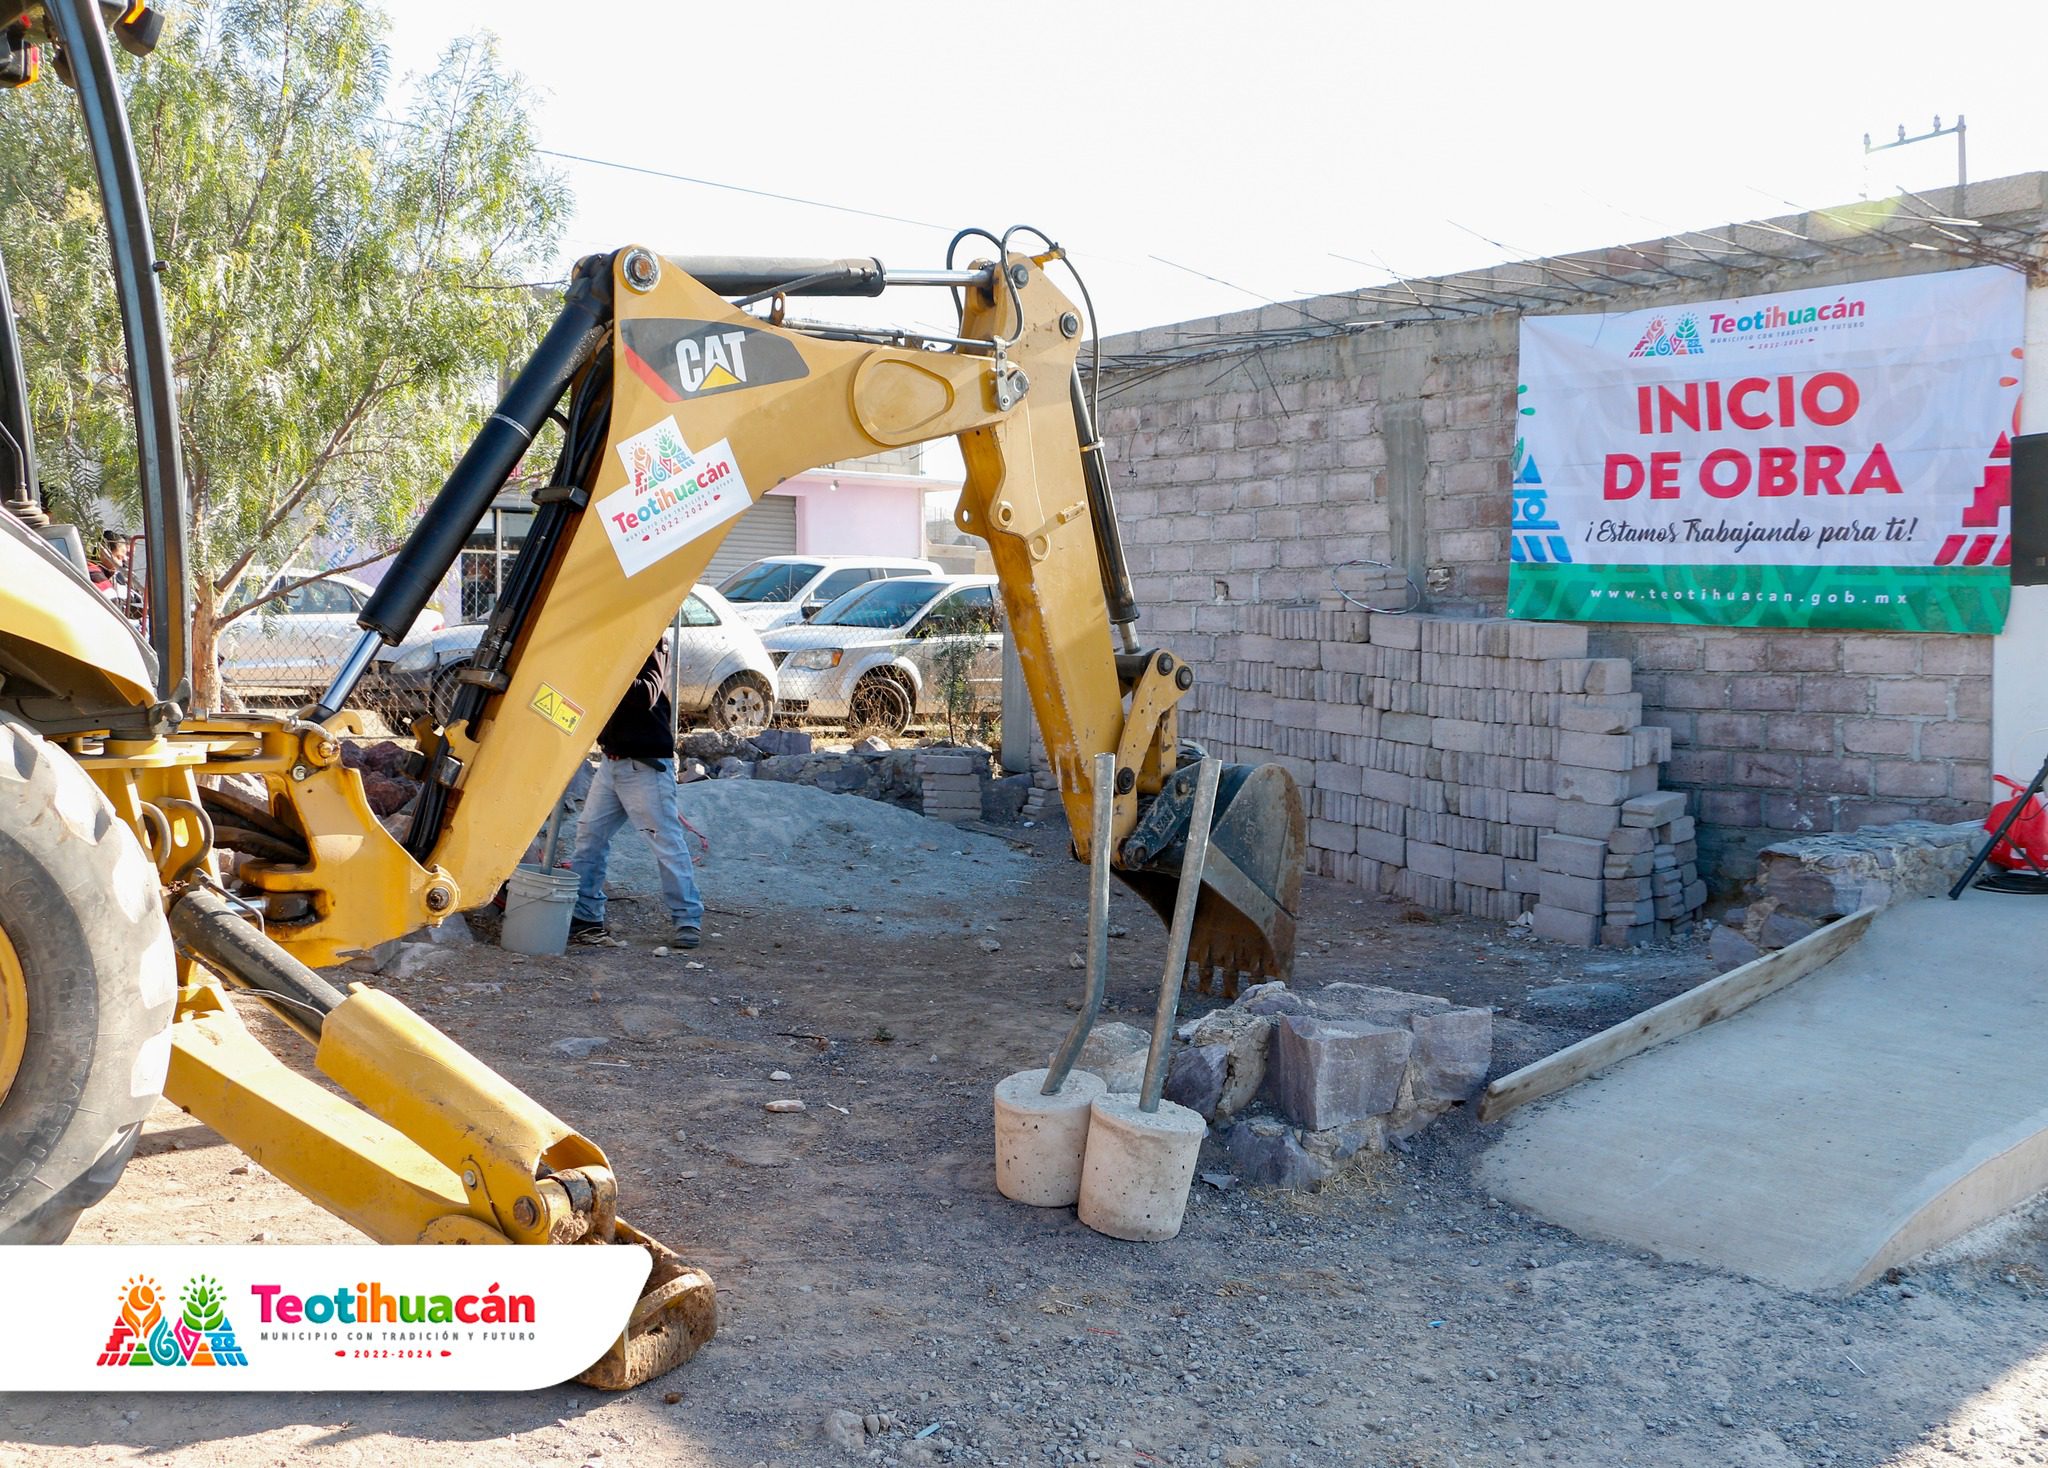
(199, 1334)
(1678, 339)
(331, 1317)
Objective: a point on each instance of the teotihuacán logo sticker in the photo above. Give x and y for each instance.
(332, 1317)
(682, 359)
(672, 495)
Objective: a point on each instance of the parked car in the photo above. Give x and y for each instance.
(873, 657)
(295, 644)
(777, 590)
(722, 673)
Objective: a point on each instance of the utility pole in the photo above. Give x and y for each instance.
(1937, 131)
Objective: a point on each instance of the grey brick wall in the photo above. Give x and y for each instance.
(1778, 734)
(1244, 479)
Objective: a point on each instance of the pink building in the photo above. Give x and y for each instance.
(835, 511)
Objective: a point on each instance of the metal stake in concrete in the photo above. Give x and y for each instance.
(1177, 937)
(1104, 800)
(1042, 1123)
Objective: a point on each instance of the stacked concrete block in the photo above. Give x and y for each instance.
(1650, 867)
(950, 784)
(1042, 801)
(1474, 765)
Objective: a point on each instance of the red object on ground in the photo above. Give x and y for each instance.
(2026, 844)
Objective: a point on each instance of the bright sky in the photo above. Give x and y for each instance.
(1250, 142)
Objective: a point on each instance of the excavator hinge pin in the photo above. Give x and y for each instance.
(469, 1178)
(641, 269)
(527, 1212)
(1126, 780)
(1070, 324)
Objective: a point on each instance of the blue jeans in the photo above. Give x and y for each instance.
(645, 794)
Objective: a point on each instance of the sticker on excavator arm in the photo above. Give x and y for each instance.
(557, 710)
(672, 495)
(685, 359)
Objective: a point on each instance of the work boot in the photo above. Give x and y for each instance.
(591, 935)
(686, 937)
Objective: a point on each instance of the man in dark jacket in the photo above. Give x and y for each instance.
(636, 781)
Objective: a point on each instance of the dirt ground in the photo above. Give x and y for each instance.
(865, 1261)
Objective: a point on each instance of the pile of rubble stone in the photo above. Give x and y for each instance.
(956, 780)
(1296, 1084)
(1803, 884)
(946, 780)
(385, 785)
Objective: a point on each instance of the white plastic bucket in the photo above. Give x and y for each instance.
(539, 901)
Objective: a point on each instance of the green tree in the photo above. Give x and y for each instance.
(341, 286)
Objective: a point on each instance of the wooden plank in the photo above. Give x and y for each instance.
(1716, 999)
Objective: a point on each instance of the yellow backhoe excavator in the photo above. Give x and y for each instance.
(136, 898)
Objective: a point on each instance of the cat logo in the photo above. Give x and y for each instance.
(716, 359)
(685, 360)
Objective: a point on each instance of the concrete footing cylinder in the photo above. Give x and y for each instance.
(1041, 1140)
(1140, 1165)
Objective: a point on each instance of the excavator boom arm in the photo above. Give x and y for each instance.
(709, 409)
(700, 409)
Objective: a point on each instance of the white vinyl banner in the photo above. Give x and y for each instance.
(327, 1317)
(1814, 458)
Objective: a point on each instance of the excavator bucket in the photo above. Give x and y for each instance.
(677, 1314)
(1251, 881)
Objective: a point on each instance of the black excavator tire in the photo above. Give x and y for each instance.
(81, 905)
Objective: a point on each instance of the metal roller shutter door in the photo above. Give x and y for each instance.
(769, 529)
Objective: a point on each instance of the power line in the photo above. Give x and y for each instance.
(1293, 306)
(707, 183)
(710, 183)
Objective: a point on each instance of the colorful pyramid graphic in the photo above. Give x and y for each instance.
(199, 1335)
(1662, 339)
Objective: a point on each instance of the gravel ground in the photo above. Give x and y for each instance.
(866, 1264)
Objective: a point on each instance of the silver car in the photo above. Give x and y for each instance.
(777, 590)
(722, 673)
(297, 641)
(886, 653)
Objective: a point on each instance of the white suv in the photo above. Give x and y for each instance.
(778, 590)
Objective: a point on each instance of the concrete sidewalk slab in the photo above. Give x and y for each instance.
(1874, 1110)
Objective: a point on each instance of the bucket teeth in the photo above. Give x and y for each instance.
(1220, 964)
